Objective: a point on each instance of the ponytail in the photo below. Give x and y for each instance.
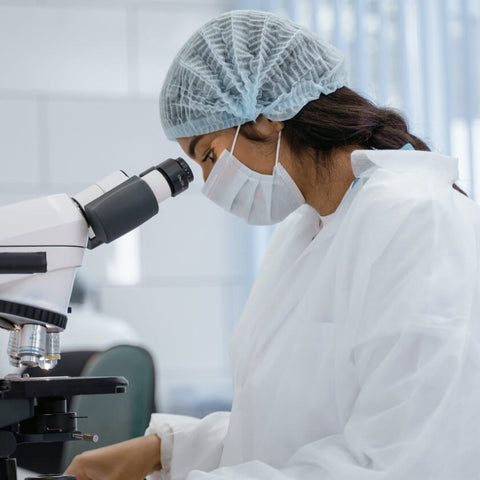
(391, 132)
(344, 118)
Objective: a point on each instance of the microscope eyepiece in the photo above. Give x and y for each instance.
(184, 165)
(135, 200)
(176, 172)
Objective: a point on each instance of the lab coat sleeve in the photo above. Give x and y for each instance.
(413, 276)
(188, 443)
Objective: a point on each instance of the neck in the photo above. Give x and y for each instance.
(324, 189)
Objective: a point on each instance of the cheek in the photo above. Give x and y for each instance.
(206, 169)
(257, 157)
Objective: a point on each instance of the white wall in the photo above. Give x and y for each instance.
(79, 83)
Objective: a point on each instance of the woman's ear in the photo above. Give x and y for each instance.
(265, 128)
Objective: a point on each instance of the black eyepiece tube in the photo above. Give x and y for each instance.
(120, 210)
(134, 201)
(177, 173)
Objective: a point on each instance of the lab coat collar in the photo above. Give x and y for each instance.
(403, 161)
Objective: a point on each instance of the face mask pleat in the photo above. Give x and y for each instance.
(244, 198)
(231, 176)
(262, 203)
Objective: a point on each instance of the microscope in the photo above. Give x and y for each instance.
(42, 243)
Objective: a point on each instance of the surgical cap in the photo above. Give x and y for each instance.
(242, 64)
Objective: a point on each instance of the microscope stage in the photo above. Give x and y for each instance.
(37, 387)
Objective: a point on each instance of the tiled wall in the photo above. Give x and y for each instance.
(79, 83)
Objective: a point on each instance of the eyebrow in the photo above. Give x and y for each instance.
(193, 144)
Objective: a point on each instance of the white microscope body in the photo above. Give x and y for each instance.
(46, 239)
(42, 243)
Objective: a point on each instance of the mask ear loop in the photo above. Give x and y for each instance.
(278, 147)
(235, 139)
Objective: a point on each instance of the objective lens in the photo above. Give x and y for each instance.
(32, 344)
(13, 345)
(52, 351)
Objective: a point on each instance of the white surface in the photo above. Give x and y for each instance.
(88, 329)
(159, 186)
(49, 220)
(187, 329)
(89, 139)
(160, 36)
(19, 140)
(63, 50)
(170, 323)
(191, 236)
(100, 187)
(53, 221)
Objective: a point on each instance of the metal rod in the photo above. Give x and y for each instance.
(87, 437)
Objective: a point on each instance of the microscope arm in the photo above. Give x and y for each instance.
(42, 243)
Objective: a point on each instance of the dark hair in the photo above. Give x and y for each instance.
(344, 118)
(341, 119)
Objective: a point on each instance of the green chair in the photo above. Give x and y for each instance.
(114, 417)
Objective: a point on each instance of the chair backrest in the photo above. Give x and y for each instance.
(115, 417)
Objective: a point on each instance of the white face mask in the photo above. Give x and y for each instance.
(257, 198)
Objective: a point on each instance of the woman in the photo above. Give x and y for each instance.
(357, 355)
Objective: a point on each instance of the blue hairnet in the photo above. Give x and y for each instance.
(242, 64)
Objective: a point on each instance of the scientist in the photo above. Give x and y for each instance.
(357, 356)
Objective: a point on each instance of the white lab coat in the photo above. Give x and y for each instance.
(357, 356)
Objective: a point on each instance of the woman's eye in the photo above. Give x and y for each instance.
(209, 156)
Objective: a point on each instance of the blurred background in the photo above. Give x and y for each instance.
(79, 84)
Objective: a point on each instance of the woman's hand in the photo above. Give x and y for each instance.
(130, 460)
